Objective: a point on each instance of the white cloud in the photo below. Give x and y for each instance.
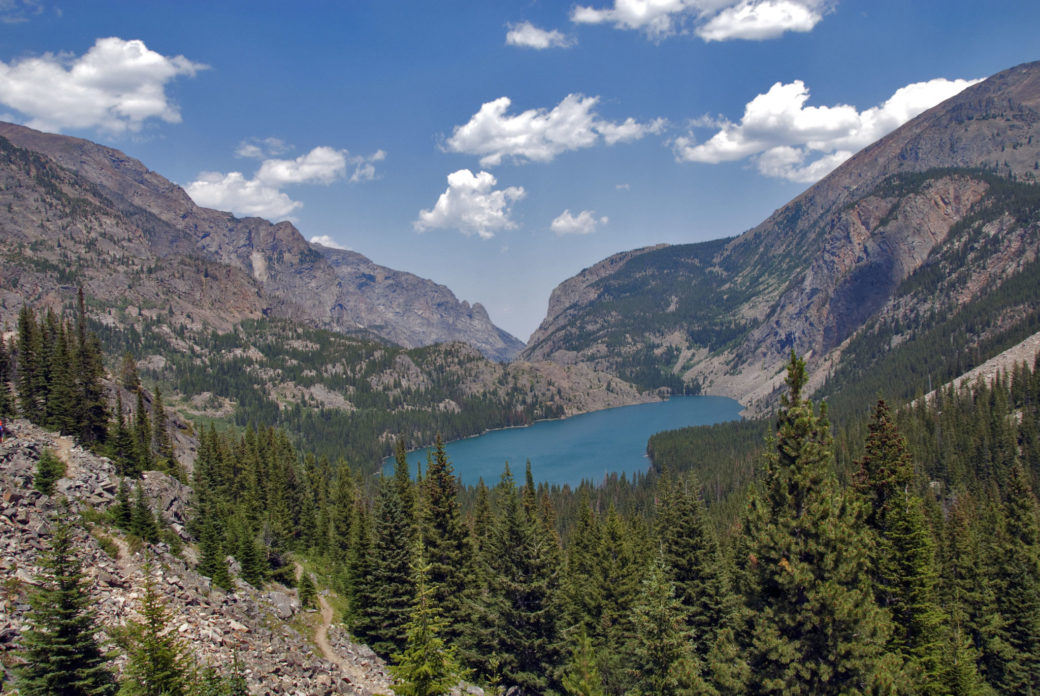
(261, 196)
(262, 148)
(327, 241)
(244, 197)
(584, 222)
(712, 20)
(115, 86)
(539, 135)
(528, 35)
(19, 11)
(471, 205)
(321, 165)
(760, 20)
(790, 140)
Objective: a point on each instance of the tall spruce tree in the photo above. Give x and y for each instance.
(695, 563)
(813, 626)
(392, 568)
(62, 657)
(1018, 599)
(448, 547)
(427, 666)
(517, 614)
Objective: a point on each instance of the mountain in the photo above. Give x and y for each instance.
(923, 244)
(85, 203)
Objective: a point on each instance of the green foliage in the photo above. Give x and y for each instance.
(61, 655)
(48, 470)
(582, 675)
(427, 666)
(158, 661)
(308, 593)
(812, 626)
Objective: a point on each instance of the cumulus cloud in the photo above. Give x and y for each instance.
(539, 135)
(244, 197)
(115, 86)
(787, 139)
(528, 35)
(327, 241)
(584, 222)
(262, 195)
(712, 20)
(471, 205)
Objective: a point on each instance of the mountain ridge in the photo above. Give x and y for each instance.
(293, 278)
(723, 315)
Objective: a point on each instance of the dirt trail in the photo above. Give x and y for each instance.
(63, 450)
(321, 638)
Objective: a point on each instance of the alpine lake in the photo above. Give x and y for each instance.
(585, 447)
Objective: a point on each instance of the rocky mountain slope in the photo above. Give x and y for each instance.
(928, 224)
(278, 644)
(86, 210)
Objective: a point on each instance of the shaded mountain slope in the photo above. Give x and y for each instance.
(952, 189)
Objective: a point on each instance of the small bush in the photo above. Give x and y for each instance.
(48, 470)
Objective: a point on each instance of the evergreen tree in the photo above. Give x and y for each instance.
(92, 407)
(392, 576)
(1019, 587)
(142, 520)
(361, 592)
(517, 614)
(905, 574)
(581, 590)
(31, 377)
(582, 675)
(427, 666)
(122, 511)
(695, 564)
(6, 373)
(448, 548)
(142, 434)
(617, 586)
(121, 448)
(48, 470)
(62, 658)
(813, 626)
(308, 593)
(159, 662)
(162, 443)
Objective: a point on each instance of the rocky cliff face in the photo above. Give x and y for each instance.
(724, 315)
(106, 207)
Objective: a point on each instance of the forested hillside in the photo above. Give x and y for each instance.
(896, 553)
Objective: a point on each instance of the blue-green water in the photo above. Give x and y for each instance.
(588, 446)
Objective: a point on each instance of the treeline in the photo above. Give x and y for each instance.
(915, 571)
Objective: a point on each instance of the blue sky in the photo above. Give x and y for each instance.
(497, 148)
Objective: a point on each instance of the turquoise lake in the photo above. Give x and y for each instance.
(588, 446)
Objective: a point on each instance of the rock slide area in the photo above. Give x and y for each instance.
(264, 628)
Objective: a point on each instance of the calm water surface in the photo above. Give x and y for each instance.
(588, 446)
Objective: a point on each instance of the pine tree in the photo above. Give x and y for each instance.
(142, 520)
(517, 615)
(427, 666)
(142, 434)
(308, 593)
(695, 564)
(161, 440)
(159, 663)
(31, 378)
(1018, 599)
(812, 624)
(448, 548)
(92, 408)
(6, 372)
(582, 675)
(360, 561)
(48, 470)
(617, 585)
(121, 448)
(392, 577)
(663, 661)
(62, 658)
(905, 574)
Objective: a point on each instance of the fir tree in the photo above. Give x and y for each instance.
(518, 610)
(1019, 584)
(142, 434)
(449, 552)
(121, 445)
(142, 520)
(427, 666)
(582, 675)
(31, 378)
(6, 372)
(161, 440)
(48, 470)
(159, 662)
(813, 626)
(62, 658)
(695, 564)
(307, 592)
(392, 576)
(663, 661)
